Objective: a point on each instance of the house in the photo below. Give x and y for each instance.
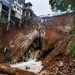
(18, 8)
(16, 12)
(4, 7)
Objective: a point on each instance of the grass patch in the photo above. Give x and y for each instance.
(73, 46)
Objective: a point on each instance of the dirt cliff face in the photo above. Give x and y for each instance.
(54, 52)
(61, 22)
(6, 36)
(52, 36)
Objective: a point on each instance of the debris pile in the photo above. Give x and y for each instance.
(53, 52)
(5, 69)
(31, 65)
(25, 42)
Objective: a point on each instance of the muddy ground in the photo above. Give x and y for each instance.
(54, 53)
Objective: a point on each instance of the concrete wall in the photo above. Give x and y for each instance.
(0, 8)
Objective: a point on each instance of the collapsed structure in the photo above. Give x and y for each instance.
(47, 43)
(54, 50)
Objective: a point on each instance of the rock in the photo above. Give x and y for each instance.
(45, 72)
(60, 64)
(53, 70)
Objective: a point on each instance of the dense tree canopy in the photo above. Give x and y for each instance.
(62, 5)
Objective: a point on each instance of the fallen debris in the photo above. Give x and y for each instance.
(54, 53)
(23, 44)
(59, 50)
(31, 66)
(5, 69)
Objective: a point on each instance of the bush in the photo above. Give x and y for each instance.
(73, 46)
(73, 41)
(73, 50)
(2, 20)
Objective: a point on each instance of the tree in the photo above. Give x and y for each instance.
(28, 5)
(2, 20)
(66, 5)
(62, 5)
(27, 9)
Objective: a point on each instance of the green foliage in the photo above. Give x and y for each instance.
(73, 42)
(73, 48)
(62, 5)
(2, 20)
(27, 5)
(72, 25)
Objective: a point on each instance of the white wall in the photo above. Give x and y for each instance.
(0, 8)
(18, 15)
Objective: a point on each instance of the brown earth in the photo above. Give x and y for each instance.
(13, 71)
(55, 52)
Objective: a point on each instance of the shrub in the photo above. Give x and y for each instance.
(73, 49)
(73, 34)
(2, 20)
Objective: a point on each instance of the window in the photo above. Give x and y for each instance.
(14, 6)
(19, 9)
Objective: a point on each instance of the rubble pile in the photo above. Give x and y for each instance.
(5, 69)
(21, 47)
(31, 65)
(59, 49)
(54, 52)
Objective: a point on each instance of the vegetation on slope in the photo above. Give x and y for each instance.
(66, 5)
(2, 20)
